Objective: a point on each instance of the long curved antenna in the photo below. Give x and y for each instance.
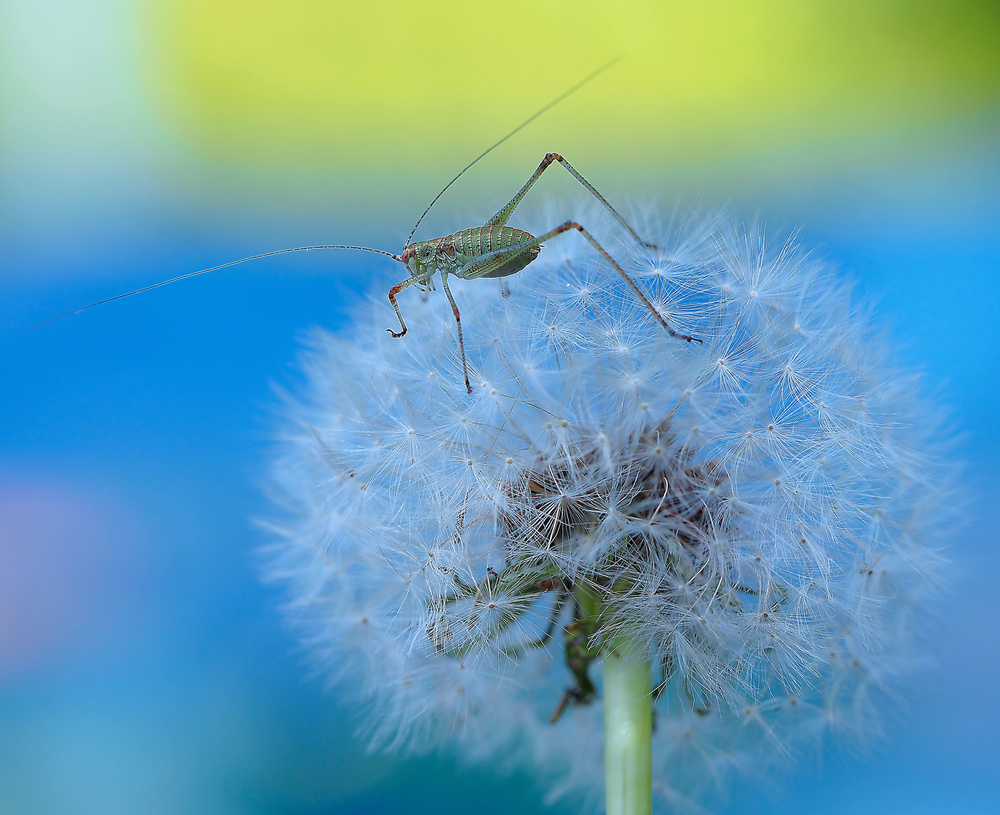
(521, 126)
(212, 269)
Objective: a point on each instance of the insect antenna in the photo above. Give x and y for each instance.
(212, 269)
(520, 127)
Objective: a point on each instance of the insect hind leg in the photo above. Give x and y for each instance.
(504, 214)
(622, 273)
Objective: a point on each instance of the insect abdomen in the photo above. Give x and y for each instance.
(479, 240)
(482, 239)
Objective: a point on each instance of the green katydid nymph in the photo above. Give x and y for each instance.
(492, 250)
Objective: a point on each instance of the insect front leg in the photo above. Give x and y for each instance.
(501, 218)
(392, 299)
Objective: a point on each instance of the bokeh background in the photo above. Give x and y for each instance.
(143, 665)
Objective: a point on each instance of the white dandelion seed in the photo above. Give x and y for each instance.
(757, 516)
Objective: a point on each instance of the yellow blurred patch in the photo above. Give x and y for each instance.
(321, 84)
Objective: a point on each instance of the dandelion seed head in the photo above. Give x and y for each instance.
(760, 512)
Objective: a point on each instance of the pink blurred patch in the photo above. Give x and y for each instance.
(67, 572)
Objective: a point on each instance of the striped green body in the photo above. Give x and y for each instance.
(453, 253)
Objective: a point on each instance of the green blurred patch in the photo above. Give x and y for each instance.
(384, 84)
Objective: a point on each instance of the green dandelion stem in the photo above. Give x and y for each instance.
(628, 730)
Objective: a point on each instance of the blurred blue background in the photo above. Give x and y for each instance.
(143, 665)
